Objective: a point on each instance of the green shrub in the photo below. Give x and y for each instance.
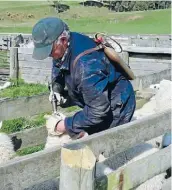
(140, 6)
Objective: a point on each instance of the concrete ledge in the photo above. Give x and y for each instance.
(27, 171)
(145, 81)
(149, 50)
(118, 139)
(52, 184)
(24, 106)
(37, 136)
(135, 173)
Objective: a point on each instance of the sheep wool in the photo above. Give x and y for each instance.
(6, 148)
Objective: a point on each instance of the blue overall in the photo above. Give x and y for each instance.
(94, 84)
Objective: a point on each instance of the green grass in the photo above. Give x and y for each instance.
(23, 89)
(18, 90)
(21, 16)
(29, 150)
(19, 124)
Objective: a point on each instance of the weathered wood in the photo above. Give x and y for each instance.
(77, 168)
(4, 71)
(14, 67)
(135, 173)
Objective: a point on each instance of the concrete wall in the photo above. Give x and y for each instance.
(146, 63)
(135, 173)
(31, 70)
(24, 106)
(35, 170)
(37, 136)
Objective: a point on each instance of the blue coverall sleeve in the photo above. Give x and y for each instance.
(93, 80)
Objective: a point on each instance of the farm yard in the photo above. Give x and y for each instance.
(133, 156)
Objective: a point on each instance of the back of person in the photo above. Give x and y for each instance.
(94, 84)
(107, 79)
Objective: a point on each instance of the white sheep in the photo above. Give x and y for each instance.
(159, 102)
(8, 146)
(53, 138)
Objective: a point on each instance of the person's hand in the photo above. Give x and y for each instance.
(51, 123)
(60, 99)
(60, 127)
(57, 96)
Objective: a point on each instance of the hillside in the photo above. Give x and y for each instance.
(21, 16)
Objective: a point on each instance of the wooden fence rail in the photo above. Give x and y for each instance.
(37, 168)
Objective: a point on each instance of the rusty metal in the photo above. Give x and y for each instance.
(121, 180)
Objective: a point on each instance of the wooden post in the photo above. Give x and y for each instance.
(14, 67)
(77, 169)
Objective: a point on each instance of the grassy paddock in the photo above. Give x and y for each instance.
(22, 89)
(21, 16)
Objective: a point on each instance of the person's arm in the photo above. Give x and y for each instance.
(92, 79)
(57, 79)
